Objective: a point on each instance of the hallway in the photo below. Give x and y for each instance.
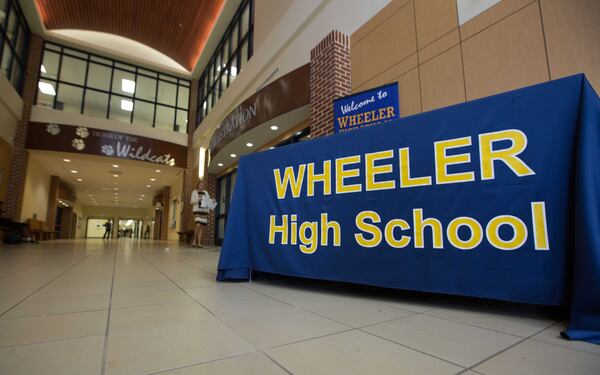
(130, 306)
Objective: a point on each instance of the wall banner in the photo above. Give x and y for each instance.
(494, 198)
(366, 108)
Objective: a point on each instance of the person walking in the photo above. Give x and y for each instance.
(202, 204)
(107, 229)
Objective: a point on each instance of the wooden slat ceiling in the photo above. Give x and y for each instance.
(177, 28)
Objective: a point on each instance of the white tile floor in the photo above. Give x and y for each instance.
(130, 307)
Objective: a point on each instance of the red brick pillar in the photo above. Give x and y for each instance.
(189, 176)
(329, 80)
(210, 185)
(18, 167)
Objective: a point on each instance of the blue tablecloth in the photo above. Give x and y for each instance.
(495, 198)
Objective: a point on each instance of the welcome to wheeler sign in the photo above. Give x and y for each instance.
(366, 108)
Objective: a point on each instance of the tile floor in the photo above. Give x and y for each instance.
(131, 307)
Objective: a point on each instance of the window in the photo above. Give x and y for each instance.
(228, 59)
(14, 40)
(80, 82)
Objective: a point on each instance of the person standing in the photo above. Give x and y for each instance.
(147, 232)
(107, 229)
(202, 203)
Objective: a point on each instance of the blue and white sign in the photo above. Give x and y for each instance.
(366, 108)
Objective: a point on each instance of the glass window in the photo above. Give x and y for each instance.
(143, 113)
(234, 37)
(181, 121)
(96, 103)
(148, 73)
(223, 82)
(165, 77)
(166, 94)
(246, 20)
(120, 108)
(17, 75)
(183, 97)
(72, 70)
(99, 77)
(46, 93)
(222, 195)
(221, 229)
(126, 67)
(101, 60)
(49, 68)
(146, 88)
(7, 58)
(123, 82)
(11, 26)
(165, 117)
(244, 55)
(232, 185)
(21, 45)
(75, 53)
(69, 98)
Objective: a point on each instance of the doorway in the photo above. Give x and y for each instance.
(95, 228)
(130, 228)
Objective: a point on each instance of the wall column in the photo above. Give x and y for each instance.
(329, 79)
(189, 176)
(18, 167)
(210, 185)
(166, 203)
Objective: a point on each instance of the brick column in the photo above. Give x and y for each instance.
(210, 185)
(166, 203)
(329, 80)
(18, 167)
(189, 176)
(52, 198)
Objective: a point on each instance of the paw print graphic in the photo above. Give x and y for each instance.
(107, 150)
(53, 129)
(82, 132)
(78, 144)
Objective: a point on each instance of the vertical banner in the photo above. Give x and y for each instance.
(366, 108)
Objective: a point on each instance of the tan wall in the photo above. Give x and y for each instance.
(114, 213)
(267, 14)
(419, 44)
(37, 190)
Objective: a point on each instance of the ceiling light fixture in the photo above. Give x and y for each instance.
(115, 175)
(115, 165)
(249, 144)
(46, 88)
(152, 179)
(271, 148)
(157, 170)
(233, 155)
(128, 85)
(73, 171)
(219, 164)
(148, 186)
(80, 179)
(274, 127)
(126, 105)
(67, 160)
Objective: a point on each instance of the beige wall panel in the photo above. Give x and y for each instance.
(442, 82)
(266, 15)
(410, 93)
(442, 44)
(391, 74)
(377, 20)
(5, 158)
(393, 41)
(491, 16)
(434, 19)
(506, 56)
(37, 190)
(572, 30)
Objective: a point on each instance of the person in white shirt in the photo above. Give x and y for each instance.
(201, 204)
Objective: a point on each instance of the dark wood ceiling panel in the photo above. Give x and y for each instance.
(177, 28)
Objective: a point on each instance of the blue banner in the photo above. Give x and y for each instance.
(366, 108)
(494, 198)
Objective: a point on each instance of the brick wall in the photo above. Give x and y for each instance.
(210, 185)
(189, 176)
(329, 80)
(18, 167)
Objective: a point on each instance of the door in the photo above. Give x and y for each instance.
(225, 186)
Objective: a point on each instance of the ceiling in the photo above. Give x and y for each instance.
(98, 185)
(178, 29)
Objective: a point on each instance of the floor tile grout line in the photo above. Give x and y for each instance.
(46, 284)
(565, 347)
(475, 325)
(49, 341)
(510, 347)
(251, 342)
(51, 314)
(112, 285)
(414, 349)
(312, 338)
(200, 363)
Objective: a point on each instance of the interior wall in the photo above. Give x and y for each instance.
(267, 13)
(11, 109)
(175, 217)
(37, 190)
(437, 63)
(5, 160)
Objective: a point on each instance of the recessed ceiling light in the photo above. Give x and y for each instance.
(89, 195)
(128, 85)
(249, 144)
(126, 105)
(274, 127)
(142, 195)
(80, 179)
(219, 164)
(46, 88)
(148, 186)
(116, 189)
(73, 171)
(140, 199)
(233, 155)
(115, 175)
(67, 160)
(115, 165)
(152, 179)
(116, 193)
(298, 133)
(157, 170)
